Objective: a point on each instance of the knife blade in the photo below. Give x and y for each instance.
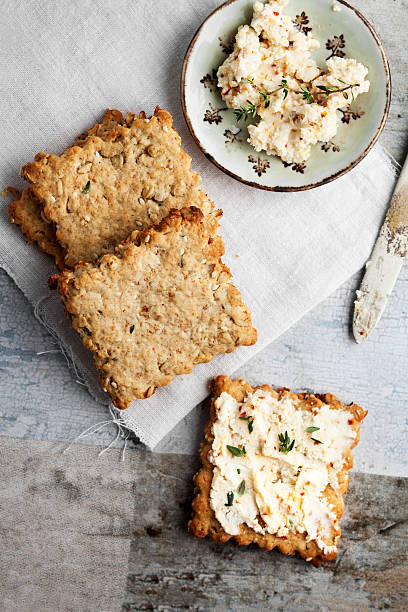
(384, 265)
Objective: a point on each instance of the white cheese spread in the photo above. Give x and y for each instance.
(272, 58)
(283, 492)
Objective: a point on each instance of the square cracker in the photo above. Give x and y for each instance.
(160, 304)
(204, 521)
(26, 214)
(125, 173)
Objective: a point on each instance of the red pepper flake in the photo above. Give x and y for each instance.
(331, 464)
(262, 468)
(284, 537)
(261, 397)
(350, 421)
(275, 13)
(308, 482)
(302, 493)
(274, 448)
(276, 71)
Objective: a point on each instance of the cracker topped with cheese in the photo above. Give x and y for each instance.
(275, 468)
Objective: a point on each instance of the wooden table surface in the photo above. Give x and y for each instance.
(170, 571)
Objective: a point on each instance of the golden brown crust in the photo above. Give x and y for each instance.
(203, 520)
(160, 304)
(124, 174)
(26, 214)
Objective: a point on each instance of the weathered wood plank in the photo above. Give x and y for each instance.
(65, 525)
(170, 570)
(67, 521)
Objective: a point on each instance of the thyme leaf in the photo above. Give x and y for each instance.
(312, 429)
(318, 441)
(86, 188)
(328, 89)
(131, 329)
(266, 97)
(250, 420)
(241, 488)
(230, 498)
(284, 85)
(238, 452)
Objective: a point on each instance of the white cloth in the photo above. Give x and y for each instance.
(62, 64)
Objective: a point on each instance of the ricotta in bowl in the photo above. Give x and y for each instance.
(271, 74)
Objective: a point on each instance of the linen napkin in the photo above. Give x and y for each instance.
(72, 59)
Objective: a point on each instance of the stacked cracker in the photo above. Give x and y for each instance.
(136, 243)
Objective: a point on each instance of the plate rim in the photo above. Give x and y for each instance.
(325, 181)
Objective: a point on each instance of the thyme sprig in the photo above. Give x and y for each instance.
(327, 90)
(324, 90)
(244, 113)
(306, 94)
(285, 445)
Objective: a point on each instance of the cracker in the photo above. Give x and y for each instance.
(125, 173)
(26, 214)
(204, 521)
(160, 304)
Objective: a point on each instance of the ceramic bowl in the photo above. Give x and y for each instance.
(343, 32)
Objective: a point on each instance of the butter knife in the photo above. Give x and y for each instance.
(385, 263)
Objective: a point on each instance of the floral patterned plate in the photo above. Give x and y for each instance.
(343, 33)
